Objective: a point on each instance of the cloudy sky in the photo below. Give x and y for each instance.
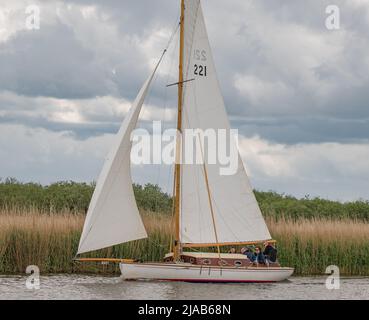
(297, 92)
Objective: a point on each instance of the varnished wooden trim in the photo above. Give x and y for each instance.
(210, 245)
(105, 260)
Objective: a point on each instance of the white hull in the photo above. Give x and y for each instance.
(193, 273)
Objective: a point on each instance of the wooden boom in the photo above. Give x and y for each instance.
(209, 245)
(105, 260)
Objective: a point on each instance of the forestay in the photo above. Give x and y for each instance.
(237, 215)
(113, 217)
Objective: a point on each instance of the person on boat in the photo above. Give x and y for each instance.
(232, 251)
(260, 257)
(249, 254)
(270, 252)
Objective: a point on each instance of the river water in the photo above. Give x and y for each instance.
(76, 287)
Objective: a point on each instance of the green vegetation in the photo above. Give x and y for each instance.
(151, 198)
(75, 197)
(72, 197)
(41, 225)
(281, 206)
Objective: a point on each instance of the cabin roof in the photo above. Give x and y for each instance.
(209, 255)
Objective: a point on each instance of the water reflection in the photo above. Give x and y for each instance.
(93, 287)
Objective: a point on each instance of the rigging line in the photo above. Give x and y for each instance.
(164, 52)
(165, 109)
(156, 200)
(177, 24)
(167, 80)
(92, 223)
(166, 118)
(173, 35)
(224, 220)
(170, 171)
(177, 83)
(161, 58)
(149, 95)
(232, 210)
(173, 219)
(210, 203)
(185, 89)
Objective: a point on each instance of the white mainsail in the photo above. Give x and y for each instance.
(113, 217)
(238, 218)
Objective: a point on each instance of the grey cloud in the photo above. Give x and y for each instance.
(312, 72)
(284, 76)
(76, 131)
(137, 16)
(264, 41)
(71, 57)
(292, 130)
(92, 117)
(50, 63)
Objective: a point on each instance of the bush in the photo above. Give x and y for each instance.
(75, 198)
(72, 197)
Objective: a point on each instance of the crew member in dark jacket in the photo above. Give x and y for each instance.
(260, 257)
(270, 252)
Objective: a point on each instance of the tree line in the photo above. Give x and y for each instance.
(75, 198)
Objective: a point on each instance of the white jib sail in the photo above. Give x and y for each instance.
(237, 215)
(113, 217)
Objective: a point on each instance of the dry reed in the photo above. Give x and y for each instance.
(51, 241)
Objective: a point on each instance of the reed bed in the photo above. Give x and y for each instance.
(312, 245)
(50, 242)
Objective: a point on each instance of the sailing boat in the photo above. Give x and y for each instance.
(211, 210)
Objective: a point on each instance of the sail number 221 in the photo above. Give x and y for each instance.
(199, 68)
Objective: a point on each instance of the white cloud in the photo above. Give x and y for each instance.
(261, 92)
(334, 170)
(12, 19)
(364, 4)
(43, 112)
(44, 156)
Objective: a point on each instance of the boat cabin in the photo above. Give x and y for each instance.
(212, 260)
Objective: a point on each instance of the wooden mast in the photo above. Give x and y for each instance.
(177, 245)
(177, 175)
